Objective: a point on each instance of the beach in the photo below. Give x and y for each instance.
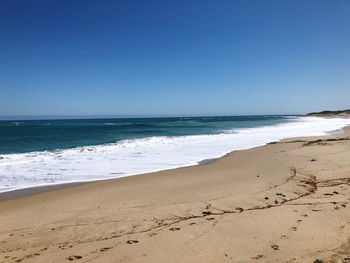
(175, 131)
(283, 202)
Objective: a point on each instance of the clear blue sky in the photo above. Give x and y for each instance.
(173, 57)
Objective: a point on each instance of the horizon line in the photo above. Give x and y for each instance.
(124, 116)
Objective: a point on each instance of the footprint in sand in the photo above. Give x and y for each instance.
(239, 209)
(74, 257)
(105, 248)
(132, 241)
(257, 256)
(275, 247)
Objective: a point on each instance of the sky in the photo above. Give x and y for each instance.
(146, 58)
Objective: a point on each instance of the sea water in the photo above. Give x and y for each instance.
(42, 152)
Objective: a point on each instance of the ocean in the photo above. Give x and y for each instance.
(43, 152)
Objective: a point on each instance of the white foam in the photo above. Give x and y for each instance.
(130, 157)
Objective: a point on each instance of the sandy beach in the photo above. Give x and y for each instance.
(283, 202)
(175, 131)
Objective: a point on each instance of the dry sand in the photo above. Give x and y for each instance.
(284, 202)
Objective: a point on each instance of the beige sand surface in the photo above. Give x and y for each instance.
(284, 202)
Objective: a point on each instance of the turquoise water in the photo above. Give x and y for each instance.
(34, 153)
(42, 135)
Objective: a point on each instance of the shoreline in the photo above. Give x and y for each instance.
(31, 190)
(137, 157)
(28, 191)
(24, 192)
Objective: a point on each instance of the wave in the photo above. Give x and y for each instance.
(137, 156)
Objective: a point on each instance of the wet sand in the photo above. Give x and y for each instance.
(34, 190)
(288, 201)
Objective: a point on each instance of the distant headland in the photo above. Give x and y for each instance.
(339, 113)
